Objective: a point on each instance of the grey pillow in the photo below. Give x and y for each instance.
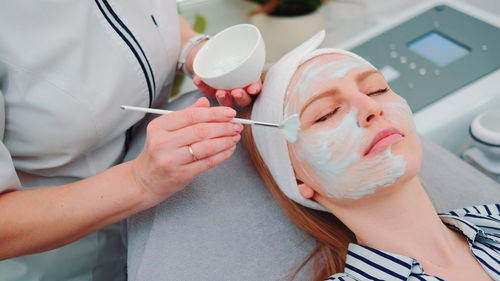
(226, 226)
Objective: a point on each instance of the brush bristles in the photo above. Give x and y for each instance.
(290, 127)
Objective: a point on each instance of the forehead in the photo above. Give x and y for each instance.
(325, 67)
(320, 60)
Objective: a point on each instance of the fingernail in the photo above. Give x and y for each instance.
(221, 95)
(229, 112)
(238, 95)
(236, 138)
(252, 89)
(238, 127)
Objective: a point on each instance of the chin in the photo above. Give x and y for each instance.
(411, 150)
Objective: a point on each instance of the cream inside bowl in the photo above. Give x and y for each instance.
(233, 58)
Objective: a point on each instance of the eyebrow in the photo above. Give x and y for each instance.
(317, 97)
(363, 75)
(360, 77)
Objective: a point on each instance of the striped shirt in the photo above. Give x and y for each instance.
(480, 224)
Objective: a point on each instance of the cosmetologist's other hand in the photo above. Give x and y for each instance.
(181, 145)
(242, 96)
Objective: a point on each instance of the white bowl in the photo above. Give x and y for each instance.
(233, 58)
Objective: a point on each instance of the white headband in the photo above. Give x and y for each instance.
(268, 107)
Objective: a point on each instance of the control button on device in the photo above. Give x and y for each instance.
(389, 73)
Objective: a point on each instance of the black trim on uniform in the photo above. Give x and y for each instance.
(154, 20)
(135, 40)
(151, 90)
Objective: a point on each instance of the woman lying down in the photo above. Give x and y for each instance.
(350, 179)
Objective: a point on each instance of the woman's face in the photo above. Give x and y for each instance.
(356, 134)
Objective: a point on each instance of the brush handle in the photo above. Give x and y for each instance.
(252, 122)
(162, 111)
(144, 109)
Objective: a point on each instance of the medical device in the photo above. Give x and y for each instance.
(485, 132)
(443, 57)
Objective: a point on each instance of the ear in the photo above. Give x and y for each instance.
(305, 190)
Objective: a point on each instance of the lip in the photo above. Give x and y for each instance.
(384, 139)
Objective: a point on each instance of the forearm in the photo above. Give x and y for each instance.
(42, 219)
(186, 30)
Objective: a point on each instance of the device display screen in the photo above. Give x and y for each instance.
(437, 48)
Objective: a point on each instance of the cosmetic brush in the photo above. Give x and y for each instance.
(289, 127)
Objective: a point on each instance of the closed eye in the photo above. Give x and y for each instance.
(378, 92)
(328, 115)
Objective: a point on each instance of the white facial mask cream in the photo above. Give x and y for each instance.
(399, 114)
(333, 155)
(315, 72)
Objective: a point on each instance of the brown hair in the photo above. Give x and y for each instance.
(331, 235)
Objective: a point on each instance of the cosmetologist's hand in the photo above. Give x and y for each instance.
(183, 144)
(242, 96)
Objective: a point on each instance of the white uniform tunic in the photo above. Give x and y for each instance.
(65, 68)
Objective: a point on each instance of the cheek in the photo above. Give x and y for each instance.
(327, 153)
(399, 114)
(303, 169)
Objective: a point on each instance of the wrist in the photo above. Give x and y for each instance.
(188, 53)
(191, 56)
(145, 195)
(151, 192)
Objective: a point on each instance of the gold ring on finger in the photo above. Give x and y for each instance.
(192, 153)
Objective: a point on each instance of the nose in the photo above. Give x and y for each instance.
(369, 110)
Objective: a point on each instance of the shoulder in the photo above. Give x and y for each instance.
(482, 218)
(492, 210)
(340, 277)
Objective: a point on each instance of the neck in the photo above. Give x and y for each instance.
(399, 219)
